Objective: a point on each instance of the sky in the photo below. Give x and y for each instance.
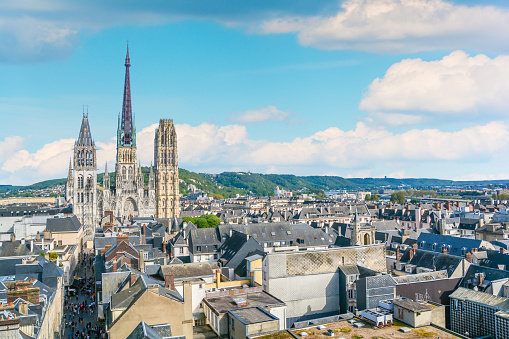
(354, 88)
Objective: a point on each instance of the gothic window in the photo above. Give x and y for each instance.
(80, 182)
(131, 173)
(82, 200)
(123, 173)
(88, 200)
(91, 196)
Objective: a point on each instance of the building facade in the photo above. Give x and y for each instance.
(129, 196)
(166, 164)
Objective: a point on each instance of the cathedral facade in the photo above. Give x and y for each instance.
(128, 196)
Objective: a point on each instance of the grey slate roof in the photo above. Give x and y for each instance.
(499, 303)
(57, 225)
(433, 260)
(85, 137)
(187, 271)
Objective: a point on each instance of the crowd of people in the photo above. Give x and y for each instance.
(80, 306)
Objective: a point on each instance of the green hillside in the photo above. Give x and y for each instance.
(229, 184)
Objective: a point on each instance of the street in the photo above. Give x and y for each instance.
(80, 312)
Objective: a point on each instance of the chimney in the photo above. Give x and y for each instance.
(474, 249)
(141, 261)
(411, 254)
(31, 245)
(447, 205)
(188, 301)
(115, 265)
(398, 254)
(415, 246)
(133, 278)
(481, 278)
(501, 250)
(23, 308)
(144, 233)
(169, 282)
(468, 256)
(444, 250)
(164, 247)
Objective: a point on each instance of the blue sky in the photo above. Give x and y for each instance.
(402, 88)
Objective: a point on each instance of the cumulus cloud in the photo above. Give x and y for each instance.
(269, 113)
(455, 84)
(9, 146)
(212, 148)
(399, 26)
(32, 32)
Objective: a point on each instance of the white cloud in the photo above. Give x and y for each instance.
(9, 146)
(455, 84)
(269, 113)
(360, 152)
(395, 119)
(400, 26)
(27, 38)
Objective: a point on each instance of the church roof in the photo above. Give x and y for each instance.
(85, 137)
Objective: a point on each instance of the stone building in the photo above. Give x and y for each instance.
(293, 278)
(129, 196)
(166, 165)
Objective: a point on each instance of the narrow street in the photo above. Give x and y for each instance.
(80, 313)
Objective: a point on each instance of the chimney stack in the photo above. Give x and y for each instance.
(444, 250)
(411, 254)
(115, 265)
(169, 282)
(468, 256)
(398, 254)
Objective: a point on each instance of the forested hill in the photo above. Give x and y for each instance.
(228, 184)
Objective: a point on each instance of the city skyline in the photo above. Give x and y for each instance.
(351, 88)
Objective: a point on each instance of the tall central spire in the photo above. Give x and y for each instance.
(127, 126)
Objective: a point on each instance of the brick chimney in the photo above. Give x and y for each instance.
(415, 246)
(444, 250)
(398, 254)
(411, 254)
(133, 278)
(144, 234)
(448, 205)
(115, 265)
(169, 282)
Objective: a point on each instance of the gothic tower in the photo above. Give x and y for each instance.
(126, 171)
(84, 181)
(166, 170)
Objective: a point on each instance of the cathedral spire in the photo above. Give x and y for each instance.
(70, 176)
(85, 137)
(126, 132)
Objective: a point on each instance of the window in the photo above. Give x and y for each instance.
(198, 248)
(181, 250)
(350, 294)
(351, 309)
(233, 324)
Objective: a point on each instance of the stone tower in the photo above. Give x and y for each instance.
(166, 170)
(84, 181)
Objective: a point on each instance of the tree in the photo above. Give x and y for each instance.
(367, 197)
(398, 197)
(204, 221)
(375, 197)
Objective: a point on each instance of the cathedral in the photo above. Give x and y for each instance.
(128, 196)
